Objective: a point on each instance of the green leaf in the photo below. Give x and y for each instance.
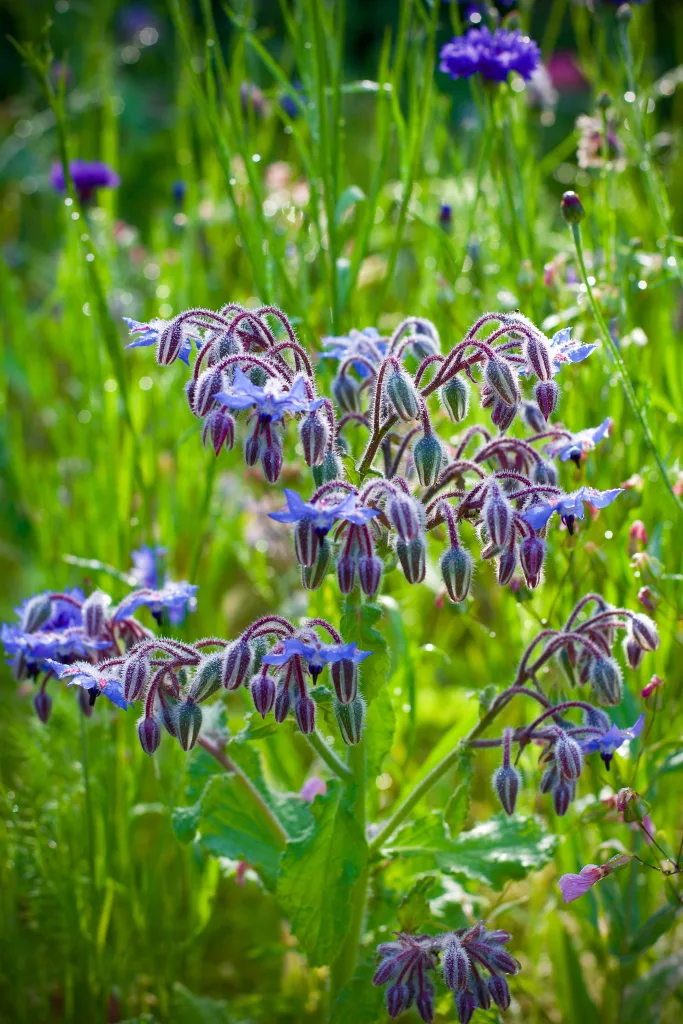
(656, 926)
(494, 852)
(185, 821)
(359, 624)
(349, 197)
(486, 698)
(318, 872)
(458, 807)
(191, 1009)
(643, 1002)
(413, 909)
(359, 1001)
(380, 724)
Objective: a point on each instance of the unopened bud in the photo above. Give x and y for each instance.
(346, 573)
(370, 574)
(149, 734)
(538, 357)
(569, 757)
(236, 664)
(563, 794)
(304, 712)
(400, 392)
(95, 613)
(219, 431)
(531, 556)
(533, 417)
(207, 678)
(306, 542)
(271, 461)
(350, 719)
(465, 1005)
(457, 565)
(345, 679)
(507, 563)
(37, 611)
(346, 393)
(428, 458)
(188, 723)
(549, 779)
(605, 677)
(503, 415)
(645, 632)
(209, 383)
(637, 535)
(283, 701)
(572, 208)
(631, 805)
(313, 575)
(404, 515)
(498, 516)
(655, 683)
(424, 1001)
(544, 473)
(168, 705)
(315, 434)
(633, 651)
(648, 599)
(455, 964)
(252, 447)
(506, 780)
(42, 702)
(331, 468)
(412, 556)
(263, 693)
(500, 991)
(456, 397)
(134, 675)
(501, 379)
(170, 343)
(399, 997)
(595, 718)
(547, 395)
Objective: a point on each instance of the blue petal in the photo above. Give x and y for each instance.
(600, 499)
(538, 516)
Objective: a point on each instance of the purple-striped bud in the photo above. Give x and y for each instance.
(503, 415)
(487, 396)
(283, 701)
(168, 705)
(190, 391)
(533, 417)
(403, 513)
(370, 574)
(350, 719)
(457, 565)
(207, 678)
(428, 459)
(236, 664)
(263, 693)
(456, 397)
(252, 447)
(507, 563)
(412, 556)
(544, 473)
(37, 611)
(531, 556)
(424, 1001)
(95, 613)
(304, 712)
(500, 991)
(149, 734)
(400, 392)
(498, 516)
(306, 542)
(465, 1005)
(209, 383)
(134, 676)
(481, 992)
(605, 678)
(569, 757)
(633, 651)
(219, 431)
(563, 794)
(595, 718)
(170, 343)
(645, 632)
(502, 380)
(346, 573)
(188, 723)
(313, 575)
(314, 433)
(271, 460)
(399, 998)
(547, 395)
(506, 780)
(538, 357)
(345, 679)
(455, 964)
(550, 778)
(346, 393)
(42, 703)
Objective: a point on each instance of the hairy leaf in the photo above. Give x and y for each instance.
(380, 724)
(413, 909)
(359, 624)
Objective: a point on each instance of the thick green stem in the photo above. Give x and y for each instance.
(334, 763)
(621, 366)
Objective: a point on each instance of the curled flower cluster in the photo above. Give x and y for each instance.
(473, 963)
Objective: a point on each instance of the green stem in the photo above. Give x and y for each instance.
(326, 754)
(625, 379)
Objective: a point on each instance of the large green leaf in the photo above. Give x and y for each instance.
(318, 873)
(359, 624)
(413, 909)
(458, 806)
(359, 1002)
(494, 852)
(380, 723)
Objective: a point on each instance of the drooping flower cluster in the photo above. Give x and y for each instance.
(472, 962)
(493, 55)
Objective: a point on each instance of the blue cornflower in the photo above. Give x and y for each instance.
(569, 506)
(611, 740)
(149, 335)
(148, 565)
(323, 517)
(272, 401)
(492, 54)
(92, 679)
(366, 343)
(87, 176)
(316, 654)
(176, 597)
(578, 444)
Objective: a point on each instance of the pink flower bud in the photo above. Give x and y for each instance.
(648, 599)
(654, 684)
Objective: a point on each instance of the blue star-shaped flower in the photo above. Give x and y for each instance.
(316, 655)
(611, 740)
(363, 343)
(580, 443)
(569, 506)
(176, 597)
(272, 401)
(323, 517)
(147, 334)
(563, 350)
(92, 679)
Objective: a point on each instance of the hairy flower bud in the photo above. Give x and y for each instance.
(399, 998)
(314, 433)
(263, 693)
(169, 344)
(501, 379)
(424, 1001)
(563, 794)
(544, 473)
(345, 679)
(95, 613)
(252, 447)
(498, 516)
(645, 632)
(595, 718)
(531, 556)
(400, 392)
(313, 575)
(306, 542)
(412, 556)
(569, 757)
(283, 701)
(456, 397)
(572, 208)
(404, 515)
(346, 393)
(188, 723)
(506, 780)
(37, 611)
(538, 357)
(236, 664)
(346, 573)
(42, 703)
(331, 468)
(507, 563)
(533, 417)
(207, 678)
(219, 429)
(209, 383)
(134, 675)
(350, 719)
(149, 734)
(455, 964)
(457, 565)
(549, 779)
(500, 991)
(547, 395)
(605, 678)
(304, 712)
(465, 1005)
(370, 574)
(271, 460)
(503, 415)
(168, 705)
(428, 458)
(633, 651)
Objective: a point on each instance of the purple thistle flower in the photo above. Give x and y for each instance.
(492, 54)
(321, 516)
(366, 343)
(272, 401)
(147, 334)
(570, 506)
(316, 654)
(92, 679)
(580, 443)
(612, 739)
(87, 176)
(176, 597)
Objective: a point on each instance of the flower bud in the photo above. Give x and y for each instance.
(168, 705)
(315, 434)
(481, 992)
(549, 779)
(399, 998)
(412, 556)
(350, 719)
(531, 556)
(507, 563)
(503, 415)
(134, 675)
(544, 473)
(455, 964)
(637, 535)
(283, 701)
(331, 468)
(428, 457)
(502, 380)
(645, 632)
(424, 1001)
(401, 393)
(547, 395)
(252, 447)
(457, 565)
(304, 711)
(346, 573)
(346, 393)
(271, 461)
(533, 417)
(456, 397)
(403, 513)
(632, 650)
(563, 795)
(631, 805)
(209, 383)
(595, 718)
(605, 678)
(188, 723)
(498, 516)
(306, 542)
(648, 599)
(313, 575)
(263, 693)
(569, 757)
(506, 780)
(345, 679)
(370, 574)
(207, 678)
(95, 613)
(500, 991)
(169, 344)
(149, 734)
(465, 1005)
(219, 429)
(572, 208)
(37, 611)
(190, 390)
(655, 683)
(487, 396)
(538, 357)
(42, 702)
(236, 664)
